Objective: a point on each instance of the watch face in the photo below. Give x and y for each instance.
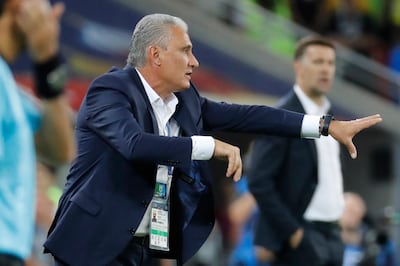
(327, 121)
(58, 77)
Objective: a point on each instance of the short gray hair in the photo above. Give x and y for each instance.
(153, 29)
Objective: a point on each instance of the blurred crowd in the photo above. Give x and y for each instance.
(370, 27)
(364, 26)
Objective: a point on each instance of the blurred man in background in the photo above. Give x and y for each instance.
(366, 243)
(352, 229)
(297, 183)
(24, 125)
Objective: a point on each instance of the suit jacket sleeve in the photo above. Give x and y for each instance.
(110, 115)
(220, 116)
(266, 165)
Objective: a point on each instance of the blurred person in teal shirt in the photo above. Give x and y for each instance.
(29, 129)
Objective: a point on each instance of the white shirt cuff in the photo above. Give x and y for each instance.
(310, 126)
(202, 147)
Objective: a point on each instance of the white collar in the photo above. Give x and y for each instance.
(309, 105)
(154, 98)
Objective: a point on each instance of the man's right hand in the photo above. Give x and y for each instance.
(230, 153)
(40, 23)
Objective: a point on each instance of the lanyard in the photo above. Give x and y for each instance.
(159, 220)
(164, 176)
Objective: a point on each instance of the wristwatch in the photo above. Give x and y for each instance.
(324, 124)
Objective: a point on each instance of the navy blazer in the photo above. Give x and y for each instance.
(283, 175)
(111, 181)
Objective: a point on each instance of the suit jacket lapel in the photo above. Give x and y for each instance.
(295, 105)
(136, 80)
(189, 193)
(183, 117)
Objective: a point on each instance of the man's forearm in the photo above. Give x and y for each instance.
(55, 139)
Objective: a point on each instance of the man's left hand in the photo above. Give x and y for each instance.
(344, 131)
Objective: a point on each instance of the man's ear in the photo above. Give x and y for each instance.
(296, 66)
(153, 54)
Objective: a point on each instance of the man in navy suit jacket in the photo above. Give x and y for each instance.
(297, 183)
(135, 123)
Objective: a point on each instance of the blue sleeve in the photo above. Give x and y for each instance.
(1, 121)
(32, 110)
(241, 186)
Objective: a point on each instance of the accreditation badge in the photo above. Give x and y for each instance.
(159, 225)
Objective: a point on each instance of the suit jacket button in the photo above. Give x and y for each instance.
(132, 231)
(144, 203)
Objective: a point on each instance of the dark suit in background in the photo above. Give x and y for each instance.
(298, 183)
(283, 176)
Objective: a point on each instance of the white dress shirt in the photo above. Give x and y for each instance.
(327, 202)
(202, 146)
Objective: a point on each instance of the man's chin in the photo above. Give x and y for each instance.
(186, 85)
(182, 87)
